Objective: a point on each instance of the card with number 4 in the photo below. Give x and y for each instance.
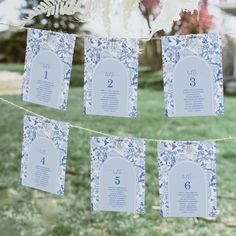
(44, 154)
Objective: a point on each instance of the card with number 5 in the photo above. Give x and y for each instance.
(117, 174)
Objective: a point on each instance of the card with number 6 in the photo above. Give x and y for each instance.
(187, 179)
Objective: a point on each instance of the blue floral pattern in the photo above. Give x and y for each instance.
(132, 150)
(126, 51)
(55, 131)
(208, 47)
(60, 43)
(170, 153)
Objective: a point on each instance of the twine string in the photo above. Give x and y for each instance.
(21, 27)
(230, 138)
(80, 127)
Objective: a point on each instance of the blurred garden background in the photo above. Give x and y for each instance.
(27, 212)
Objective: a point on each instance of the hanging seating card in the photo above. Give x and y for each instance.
(187, 179)
(117, 175)
(111, 77)
(193, 78)
(44, 154)
(48, 66)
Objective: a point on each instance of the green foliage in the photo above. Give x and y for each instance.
(13, 46)
(12, 67)
(24, 211)
(228, 55)
(13, 49)
(149, 79)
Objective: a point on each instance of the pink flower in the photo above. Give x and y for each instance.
(150, 3)
(198, 22)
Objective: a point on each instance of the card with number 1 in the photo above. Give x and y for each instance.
(48, 64)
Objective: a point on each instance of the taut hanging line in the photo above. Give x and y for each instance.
(98, 132)
(43, 117)
(88, 35)
(76, 35)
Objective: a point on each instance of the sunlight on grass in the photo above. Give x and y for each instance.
(24, 211)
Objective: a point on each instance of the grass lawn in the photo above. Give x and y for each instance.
(147, 79)
(28, 212)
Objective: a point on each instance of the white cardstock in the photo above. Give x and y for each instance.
(193, 75)
(47, 68)
(193, 87)
(44, 154)
(110, 88)
(187, 179)
(111, 77)
(117, 174)
(46, 79)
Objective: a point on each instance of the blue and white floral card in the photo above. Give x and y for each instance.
(44, 154)
(111, 77)
(117, 174)
(48, 64)
(187, 179)
(193, 78)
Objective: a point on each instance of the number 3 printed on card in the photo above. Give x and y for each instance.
(193, 82)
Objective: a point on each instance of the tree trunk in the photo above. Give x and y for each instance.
(153, 54)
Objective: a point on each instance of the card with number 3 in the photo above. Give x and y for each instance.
(192, 72)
